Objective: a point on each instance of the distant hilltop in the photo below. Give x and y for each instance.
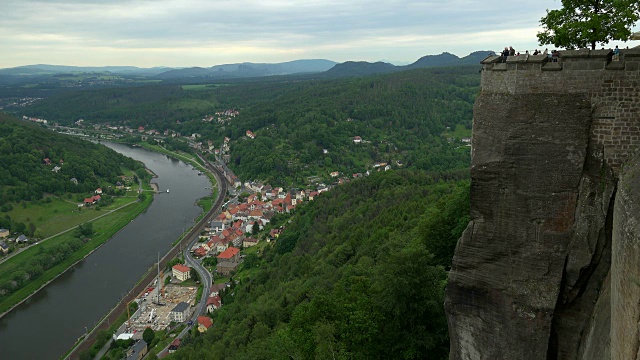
(360, 68)
(248, 69)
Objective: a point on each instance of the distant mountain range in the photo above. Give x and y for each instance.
(352, 68)
(244, 70)
(328, 68)
(44, 69)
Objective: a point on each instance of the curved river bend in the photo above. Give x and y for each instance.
(48, 324)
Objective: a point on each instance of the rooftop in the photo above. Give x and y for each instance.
(181, 307)
(181, 268)
(205, 321)
(229, 253)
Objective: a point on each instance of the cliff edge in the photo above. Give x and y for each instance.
(533, 276)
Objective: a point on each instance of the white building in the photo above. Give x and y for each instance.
(180, 313)
(181, 272)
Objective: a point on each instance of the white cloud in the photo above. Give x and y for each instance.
(204, 33)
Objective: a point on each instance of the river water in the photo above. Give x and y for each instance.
(49, 323)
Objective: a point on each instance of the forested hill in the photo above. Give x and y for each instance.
(309, 128)
(359, 273)
(303, 127)
(25, 174)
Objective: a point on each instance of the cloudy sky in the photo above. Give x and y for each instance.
(208, 32)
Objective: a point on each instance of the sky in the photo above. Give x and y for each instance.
(181, 33)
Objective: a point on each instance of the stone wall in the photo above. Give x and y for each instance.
(532, 275)
(625, 268)
(612, 86)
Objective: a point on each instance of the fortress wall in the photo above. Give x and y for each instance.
(612, 86)
(532, 275)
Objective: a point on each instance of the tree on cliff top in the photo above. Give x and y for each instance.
(581, 23)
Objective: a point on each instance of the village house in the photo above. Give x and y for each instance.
(200, 252)
(216, 289)
(180, 312)
(98, 191)
(248, 242)
(4, 247)
(137, 351)
(222, 245)
(274, 233)
(250, 134)
(357, 139)
(181, 272)
(312, 195)
(204, 323)
(228, 261)
(216, 226)
(175, 344)
(92, 200)
(214, 303)
(4, 233)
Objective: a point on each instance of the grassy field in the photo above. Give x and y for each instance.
(201, 86)
(104, 228)
(190, 159)
(60, 214)
(458, 133)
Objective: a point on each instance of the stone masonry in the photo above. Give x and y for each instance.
(532, 276)
(612, 86)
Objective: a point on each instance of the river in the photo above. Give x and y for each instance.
(49, 323)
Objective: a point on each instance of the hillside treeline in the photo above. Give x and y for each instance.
(310, 129)
(303, 127)
(26, 175)
(359, 273)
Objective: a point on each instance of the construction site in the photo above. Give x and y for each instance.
(155, 305)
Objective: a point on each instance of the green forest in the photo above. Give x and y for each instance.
(304, 128)
(25, 175)
(38, 162)
(400, 118)
(359, 273)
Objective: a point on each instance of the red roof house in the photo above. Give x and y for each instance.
(181, 272)
(229, 254)
(204, 323)
(214, 303)
(200, 252)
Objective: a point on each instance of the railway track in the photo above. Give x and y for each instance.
(121, 307)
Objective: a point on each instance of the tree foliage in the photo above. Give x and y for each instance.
(400, 117)
(582, 23)
(356, 278)
(46, 258)
(25, 176)
(148, 335)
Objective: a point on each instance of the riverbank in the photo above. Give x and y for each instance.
(84, 346)
(106, 227)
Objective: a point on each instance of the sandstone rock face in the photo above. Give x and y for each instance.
(549, 265)
(625, 269)
(529, 157)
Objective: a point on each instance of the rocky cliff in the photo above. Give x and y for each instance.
(551, 201)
